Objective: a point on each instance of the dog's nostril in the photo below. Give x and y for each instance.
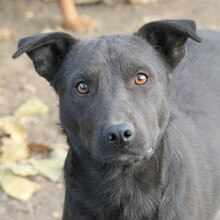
(112, 137)
(127, 134)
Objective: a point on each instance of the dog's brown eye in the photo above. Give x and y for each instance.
(140, 79)
(82, 88)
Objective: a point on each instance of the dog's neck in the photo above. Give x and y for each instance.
(121, 185)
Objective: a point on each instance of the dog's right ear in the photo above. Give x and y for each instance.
(47, 51)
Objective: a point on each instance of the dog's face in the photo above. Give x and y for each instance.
(113, 102)
(112, 89)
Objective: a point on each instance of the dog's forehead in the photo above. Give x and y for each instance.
(115, 45)
(106, 51)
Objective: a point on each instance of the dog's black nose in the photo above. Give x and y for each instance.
(120, 134)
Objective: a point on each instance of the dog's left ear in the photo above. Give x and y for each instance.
(169, 38)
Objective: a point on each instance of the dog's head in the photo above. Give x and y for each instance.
(112, 89)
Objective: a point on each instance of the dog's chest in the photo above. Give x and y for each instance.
(127, 199)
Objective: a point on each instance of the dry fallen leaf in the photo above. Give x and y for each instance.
(2, 173)
(58, 153)
(18, 159)
(39, 148)
(13, 129)
(52, 167)
(3, 136)
(18, 187)
(33, 106)
(23, 170)
(13, 152)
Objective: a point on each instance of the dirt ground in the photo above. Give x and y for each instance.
(18, 81)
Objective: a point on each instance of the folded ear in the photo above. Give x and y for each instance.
(47, 51)
(169, 37)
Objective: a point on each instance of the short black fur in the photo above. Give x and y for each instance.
(138, 151)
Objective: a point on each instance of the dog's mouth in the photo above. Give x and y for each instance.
(129, 157)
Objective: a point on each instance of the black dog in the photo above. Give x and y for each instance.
(144, 132)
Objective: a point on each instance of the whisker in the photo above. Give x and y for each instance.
(157, 162)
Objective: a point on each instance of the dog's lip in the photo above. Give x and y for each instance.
(126, 157)
(131, 156)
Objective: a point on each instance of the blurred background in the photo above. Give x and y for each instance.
(32, 150)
